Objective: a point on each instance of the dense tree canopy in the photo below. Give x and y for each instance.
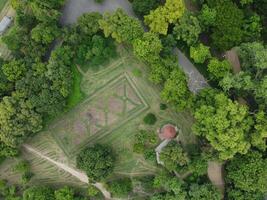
(97, 161)
(200, 53)
(248, 172)
(141, 7)
(159, 19)
(225, 124)
(204, 192)
(121, 27)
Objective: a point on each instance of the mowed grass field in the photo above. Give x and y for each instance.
(115, 99)
(2, 4)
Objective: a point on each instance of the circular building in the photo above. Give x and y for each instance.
(168, 131)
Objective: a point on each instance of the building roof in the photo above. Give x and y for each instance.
(168, 131)
(5, 22)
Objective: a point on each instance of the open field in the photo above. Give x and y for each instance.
(115, 100)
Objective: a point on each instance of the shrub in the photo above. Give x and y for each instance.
(120, 187)
(150, 119)
(163, 106)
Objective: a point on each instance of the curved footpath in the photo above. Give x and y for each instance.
(74, 172)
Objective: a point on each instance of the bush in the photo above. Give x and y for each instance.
(92, 191)
(99, 1)
(97, 161)
(163, 106)
(150, 119)
(120, 187)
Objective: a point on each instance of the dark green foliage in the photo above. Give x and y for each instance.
(38, 193)
(120, 187)
(97, 161)
(174, 157)
(248, 172)
(144, 140)
(204, 192)
(99, 1)
(150, 119)
(236, 194)
(23, 167)
(168, 43)
(88, 23)
(163, 106)
(141, 7)
(64, 193)
(227, 29)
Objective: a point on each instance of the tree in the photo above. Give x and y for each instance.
(97, 161)
(225, 124)
(88, 23)
(187, 29)
(176, 91)
(200, 53)
(259, 136)
(38, 193)
(121, 27)
(227, 30)
(218, 69)
(148, 47)
(142, 8)
(174, 157)
(45, 33)
(64, 193)
(120, 187)
(236, 194)
(207, 17)
(150, 119)
(252, 28)
(14, 70)
(203, 192)
(159, 19)
(248, 172)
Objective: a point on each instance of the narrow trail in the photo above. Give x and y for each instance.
(74, 172)
(215, 174)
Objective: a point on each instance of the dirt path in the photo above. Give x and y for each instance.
(78, 174)
(215, 174)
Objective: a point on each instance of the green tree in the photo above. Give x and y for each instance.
(218, 69)
(64, 193)
(259, 136)
(174, 156)
(187, 29)
(121, 27)
(14, 69)
(150, 119)
(148, 47)
(142, 8)
(120, 187)
(97, 161)
(204, 192)
(38, 193)
(176, 91)
(159, 19)
(225, 124)
(88, 23)
(200, 53)
(236, 194)
(207, 17)
(248, 172)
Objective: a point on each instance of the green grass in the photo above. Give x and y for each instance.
(76, 95)
(2, 4)
(122, 99)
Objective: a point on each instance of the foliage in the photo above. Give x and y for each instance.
(120, 187)
(248, 172)
(163, 106)
(38, 193)
(225, 124)
(142, 8)
(207, 17)
(150, 119)
(23, 167)
(14, 70)
(176, 91)
(187, 29)
(200, 53)
(204, 192)
(64, 193)
(159, 19)
(144, 140)
(88, 23)
(168, 43)
(227, 30)
(97, 161)
(148, 47)
(174, 157)
(218, 69)
(92, 191)
(121, 27)
(236, 194)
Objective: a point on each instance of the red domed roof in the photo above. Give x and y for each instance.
(167, 132)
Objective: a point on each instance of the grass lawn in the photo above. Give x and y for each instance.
(2, 4)
(112, 102)
(76, 95)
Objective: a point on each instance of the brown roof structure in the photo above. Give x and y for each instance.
(168, 131)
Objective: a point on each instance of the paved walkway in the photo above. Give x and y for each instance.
(215, 174)
(75, 8)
